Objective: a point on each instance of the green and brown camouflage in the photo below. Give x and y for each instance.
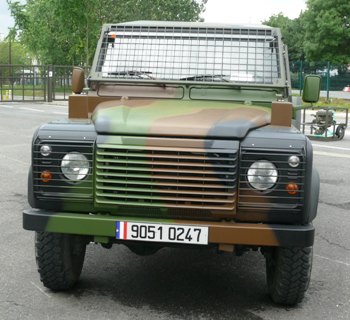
(172, 144)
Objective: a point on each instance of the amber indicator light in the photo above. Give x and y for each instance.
(292, 188)
(46, 176)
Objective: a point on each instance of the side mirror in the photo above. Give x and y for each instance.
(312, 88)
(78, 80)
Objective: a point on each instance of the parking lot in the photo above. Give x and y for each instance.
(172, 284)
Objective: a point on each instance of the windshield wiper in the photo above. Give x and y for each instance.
(132, 73)
(207, 77)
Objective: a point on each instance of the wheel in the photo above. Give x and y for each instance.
(340, 132)
(288, 273)
(60, 259)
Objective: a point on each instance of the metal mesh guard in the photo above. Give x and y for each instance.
(190, 54)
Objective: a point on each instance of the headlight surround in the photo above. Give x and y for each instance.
(75, 166)
(262, 175)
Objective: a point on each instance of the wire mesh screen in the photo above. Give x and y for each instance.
(192, 54)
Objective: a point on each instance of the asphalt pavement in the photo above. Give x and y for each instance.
(173, 283)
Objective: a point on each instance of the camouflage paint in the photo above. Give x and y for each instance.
(183, 118)
(167, 111)
(219, 232)
(148, 119)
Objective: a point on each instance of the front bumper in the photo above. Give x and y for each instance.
(98, 225)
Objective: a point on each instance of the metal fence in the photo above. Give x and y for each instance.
(21, 83)
(53, 82)
(334, 77)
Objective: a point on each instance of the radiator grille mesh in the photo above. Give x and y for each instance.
(166, 177)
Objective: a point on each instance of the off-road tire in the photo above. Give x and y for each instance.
(288, 272)
(60, 259)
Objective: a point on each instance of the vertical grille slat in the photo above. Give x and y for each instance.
(174, 177)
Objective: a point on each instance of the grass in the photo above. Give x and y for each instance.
(333, 102)
(27, 90)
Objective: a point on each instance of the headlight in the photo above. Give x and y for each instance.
(262, 175)
(45, 150)
(75, 166)
(294, 161)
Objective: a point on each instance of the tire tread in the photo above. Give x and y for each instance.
(56, 272)
(291, 273)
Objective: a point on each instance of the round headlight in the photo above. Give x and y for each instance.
(294, 161)
(45, 150)
(75, 166)
(262, 175)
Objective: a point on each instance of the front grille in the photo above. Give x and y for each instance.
(60, 187)
(276, 198)
(169, 177)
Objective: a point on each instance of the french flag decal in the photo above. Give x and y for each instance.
(121, 230)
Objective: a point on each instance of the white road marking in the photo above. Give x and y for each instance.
(332, 154)
(35, 110)
(60, 112)
(333, 260)
(330, 147)
(41, 290)
(31, 109)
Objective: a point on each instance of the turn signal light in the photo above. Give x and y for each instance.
(292, 188)
(46, 176)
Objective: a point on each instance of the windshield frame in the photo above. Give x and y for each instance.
(107, 38)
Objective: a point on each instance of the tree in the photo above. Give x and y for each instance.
(18, 53)
(293, 33)
(327, 28)
(67, 33)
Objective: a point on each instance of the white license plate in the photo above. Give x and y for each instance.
(156, 232)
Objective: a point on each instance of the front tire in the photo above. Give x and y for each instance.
(60, 259)
(288, 273)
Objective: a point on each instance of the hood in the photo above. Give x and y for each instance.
(178, 118)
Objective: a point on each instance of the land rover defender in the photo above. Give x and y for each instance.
(181, 135)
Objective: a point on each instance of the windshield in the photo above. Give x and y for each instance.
(190, 54)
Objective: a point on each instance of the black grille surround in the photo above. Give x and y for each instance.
(276, 199)
(59, 187)
(163, 176)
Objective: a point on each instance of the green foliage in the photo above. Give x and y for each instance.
(293, 33)
(18, 53)
(67, 32)
(321, 33)
(327, 34)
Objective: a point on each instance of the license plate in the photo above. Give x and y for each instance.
(156, 232)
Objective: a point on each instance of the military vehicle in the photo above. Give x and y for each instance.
(182, 137)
